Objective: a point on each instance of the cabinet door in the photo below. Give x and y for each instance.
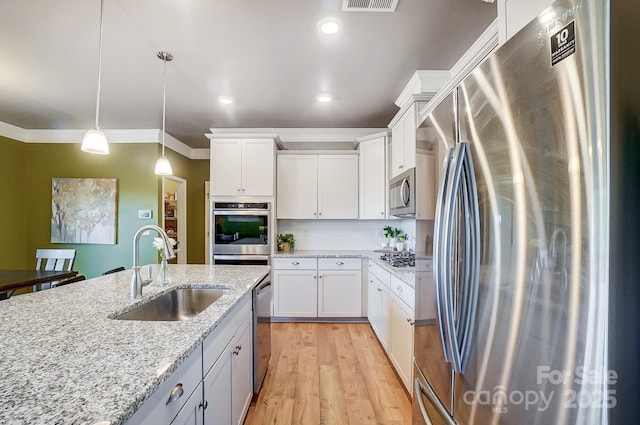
(192, 413)
(425, 187)
(373, 179)
(297, 182)
(257, 167)
(397, 148)
(338, 186)
(295, 293)
(410, 126)
(217, 390)
(242, 372)
(339, 293)
(401, 347)
(379, 317)
(226, 167)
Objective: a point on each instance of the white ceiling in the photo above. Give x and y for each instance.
(266, 54)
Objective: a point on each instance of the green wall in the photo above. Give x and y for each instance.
(28, 169)
(13, 207)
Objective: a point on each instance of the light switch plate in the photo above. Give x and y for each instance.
(145, 214)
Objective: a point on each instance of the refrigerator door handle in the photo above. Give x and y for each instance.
(438, 256)
(448, 246)
(421, 389)
(471, 274)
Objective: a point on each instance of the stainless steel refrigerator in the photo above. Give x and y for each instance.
(530, 314)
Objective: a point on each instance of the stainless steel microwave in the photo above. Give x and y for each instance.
(402, 191)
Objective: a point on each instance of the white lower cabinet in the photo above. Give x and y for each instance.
(214, 384)
(379, 302)
(317, 287)
(401, 346)
(391, 314)
(228, 380)
(192, 411)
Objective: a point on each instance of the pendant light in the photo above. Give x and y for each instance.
(163, 166)
(95, 141)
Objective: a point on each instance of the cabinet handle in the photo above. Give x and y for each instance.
(339, 263)
(319, 213)
(238, 190)
(382, 213)
(203, 405)
(320, 276)
(315, 277)
(378, 289)
(411, 322)
(238, 347)
(399, 288)
(295, 263)
(314, 213)
(176, 393)
(401, 166)
(243, 190)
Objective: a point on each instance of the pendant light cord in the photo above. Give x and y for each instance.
(164, 100)
(99, 63)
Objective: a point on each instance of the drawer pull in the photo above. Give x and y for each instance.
(295, 263)
(203, 405)
(176, 393)
(378, 289)
(339, 263)
(400, 288)
(411, 322)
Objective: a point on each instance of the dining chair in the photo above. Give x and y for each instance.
(117, 269)
(54, 259)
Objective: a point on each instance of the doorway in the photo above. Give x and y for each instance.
(174, 214)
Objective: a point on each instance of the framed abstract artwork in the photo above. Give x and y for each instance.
(83, 210)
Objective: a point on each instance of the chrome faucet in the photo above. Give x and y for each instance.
(136, 279)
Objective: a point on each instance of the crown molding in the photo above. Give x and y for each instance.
(114, 136)
(299, 138)
(422, 82)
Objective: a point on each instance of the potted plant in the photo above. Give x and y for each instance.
(286, 242)
(388, 234)
(401, 240)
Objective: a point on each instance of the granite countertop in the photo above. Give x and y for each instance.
(406, 274)
(64, 361)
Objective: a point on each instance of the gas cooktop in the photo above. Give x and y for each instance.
(399, 258)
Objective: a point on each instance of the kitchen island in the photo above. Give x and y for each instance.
(65, 360)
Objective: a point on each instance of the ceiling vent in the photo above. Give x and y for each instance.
(369, 5)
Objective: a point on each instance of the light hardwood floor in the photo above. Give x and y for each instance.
(329, 373)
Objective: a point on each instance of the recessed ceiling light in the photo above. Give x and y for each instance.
(324, 98)
(225, 100)
(329, 25)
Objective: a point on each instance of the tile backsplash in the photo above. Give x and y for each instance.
(342, 234)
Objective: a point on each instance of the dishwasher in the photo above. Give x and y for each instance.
(261, 331)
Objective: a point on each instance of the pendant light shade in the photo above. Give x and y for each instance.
(95, 141)
(163, 166)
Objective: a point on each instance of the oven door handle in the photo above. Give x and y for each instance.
(261, 213)
(241, 257)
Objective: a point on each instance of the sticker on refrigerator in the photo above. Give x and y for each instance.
(563, 43)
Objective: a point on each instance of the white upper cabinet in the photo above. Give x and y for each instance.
(242, 167)
(513, 15)
(403, 142)
(373, 179)
(338, 186)
(317, 186)
(297, 181)
(425, 186)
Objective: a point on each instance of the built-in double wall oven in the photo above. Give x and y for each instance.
(241, 233)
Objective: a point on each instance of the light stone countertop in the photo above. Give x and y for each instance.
(64, 361)
(406, 274)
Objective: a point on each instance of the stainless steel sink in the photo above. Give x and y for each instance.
(179, 304)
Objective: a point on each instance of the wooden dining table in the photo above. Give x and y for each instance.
(11, 280)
